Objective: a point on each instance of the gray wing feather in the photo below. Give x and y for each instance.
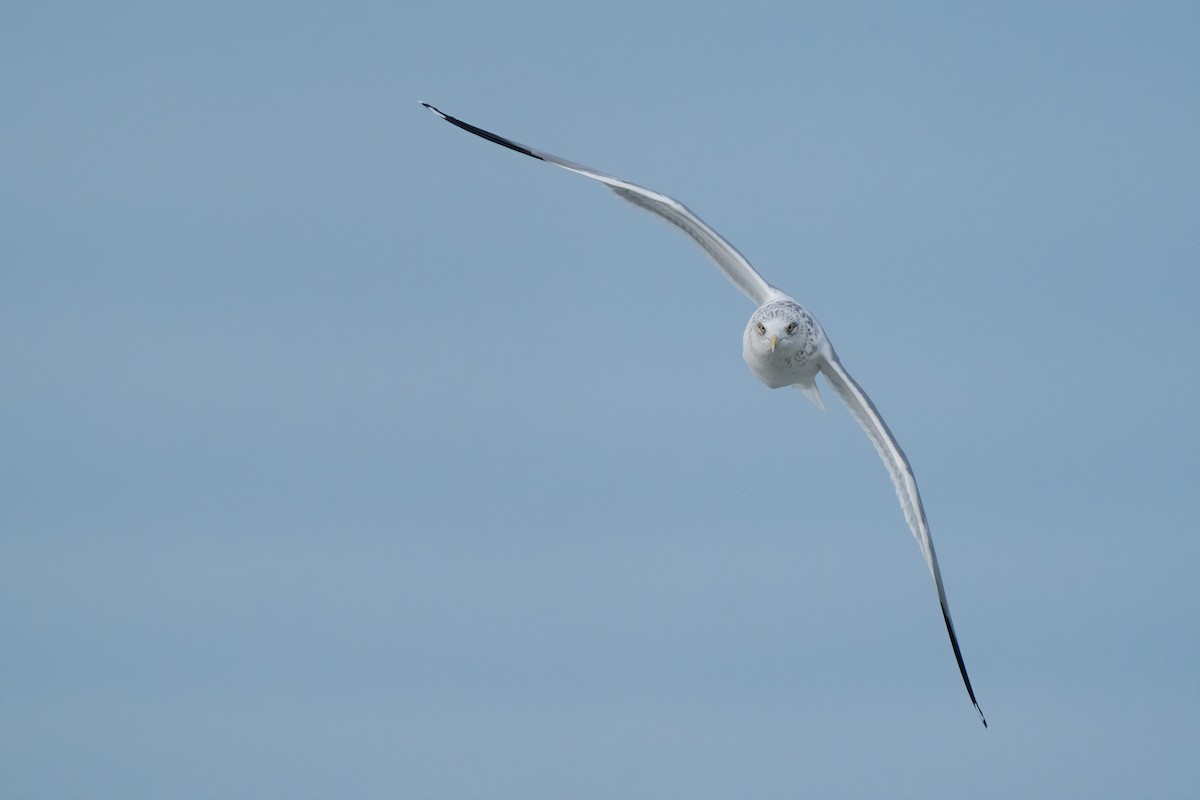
(735, 266)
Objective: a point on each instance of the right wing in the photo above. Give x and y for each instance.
(732, 263)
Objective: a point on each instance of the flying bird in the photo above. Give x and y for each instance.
(783, 344)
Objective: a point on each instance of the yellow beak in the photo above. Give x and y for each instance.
(774, 341)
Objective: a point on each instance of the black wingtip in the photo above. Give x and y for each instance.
(962, 667)
(480, 132)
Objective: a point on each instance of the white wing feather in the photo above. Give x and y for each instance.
(732, 263)
(864, 411)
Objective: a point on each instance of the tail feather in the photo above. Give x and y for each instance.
(812, 392)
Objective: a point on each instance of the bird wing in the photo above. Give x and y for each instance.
(732, 263)
(863, 410)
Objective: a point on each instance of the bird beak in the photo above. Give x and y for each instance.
(774, 341)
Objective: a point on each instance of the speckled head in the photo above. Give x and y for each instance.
(782, 343)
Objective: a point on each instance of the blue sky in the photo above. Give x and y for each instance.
(346, 454)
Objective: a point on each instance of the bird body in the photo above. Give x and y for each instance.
(784, 344)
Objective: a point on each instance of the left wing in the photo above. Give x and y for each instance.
(863, 410)
(732, 263)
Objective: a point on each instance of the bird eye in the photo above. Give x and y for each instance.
(762, 328)
(792, 328)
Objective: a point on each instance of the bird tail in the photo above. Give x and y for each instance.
(812, 392)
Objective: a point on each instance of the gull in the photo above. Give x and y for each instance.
(783, 345)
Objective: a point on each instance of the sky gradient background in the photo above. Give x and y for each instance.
(345, 454)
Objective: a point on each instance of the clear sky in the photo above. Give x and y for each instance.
(348, 455)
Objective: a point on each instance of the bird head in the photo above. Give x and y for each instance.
(775, 331)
